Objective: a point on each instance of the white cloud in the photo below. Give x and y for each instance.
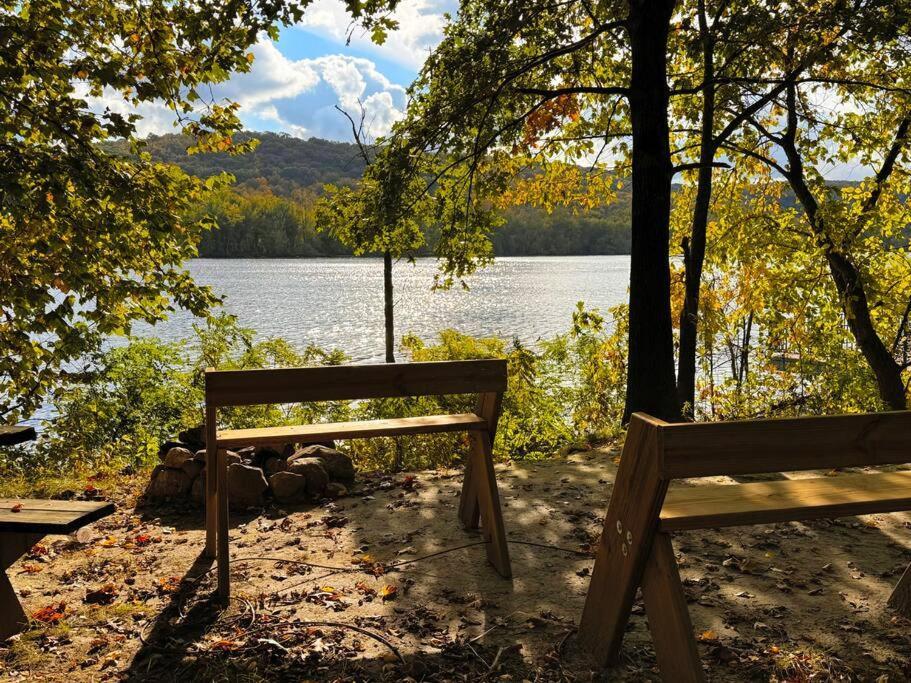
(271, 77)
(293, 96)
(420, 28)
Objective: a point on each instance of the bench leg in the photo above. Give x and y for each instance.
(900, 600)
(488, 498)
(12, 617)
(211, 484)
(668, 617)
(224, 569)
(469, 508)
(625, 544)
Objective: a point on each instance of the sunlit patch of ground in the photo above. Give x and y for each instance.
(384, 585)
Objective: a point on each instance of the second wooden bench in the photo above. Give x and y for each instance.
(635, 548)
(480, 503)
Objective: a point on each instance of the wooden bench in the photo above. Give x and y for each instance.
(23, 523)
(635, 548)
(479, 501)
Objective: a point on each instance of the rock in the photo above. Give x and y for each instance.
(288, 487)
(247, 455)
(337, 465)
(168, 483)
(167, 446)
(194, 437)
(274, 465)
(336, 490)
(177, 456)
(312, 468)
(232, 457)
(198, 488)
(246, 485)
(192, 468)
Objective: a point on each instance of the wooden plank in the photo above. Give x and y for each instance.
(668, 617)
(766, 502)
(211, 482)
(12, 435)
(50, 516)
(223, 540)
(492, 526)
(900, 600)
(488, 408)
(626, 540)
(427, 424)
(346, 382)
(12, 547)
(707, 449)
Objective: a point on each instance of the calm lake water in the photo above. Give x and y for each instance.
(338, 303)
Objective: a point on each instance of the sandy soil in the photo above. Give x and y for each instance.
(384, 585)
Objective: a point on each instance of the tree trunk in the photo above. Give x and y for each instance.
(887, 371)
(694, 247)
(388, 307)
(845, 275)
(651, 383)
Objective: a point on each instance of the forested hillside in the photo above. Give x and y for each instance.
(269, 210)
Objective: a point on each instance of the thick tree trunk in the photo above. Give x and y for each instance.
(388, 307)
(694, 247)
(651, 385)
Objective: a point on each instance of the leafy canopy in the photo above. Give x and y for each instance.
(91, 242)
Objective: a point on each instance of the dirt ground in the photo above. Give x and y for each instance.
(384, 585)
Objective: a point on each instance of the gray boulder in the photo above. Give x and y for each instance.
(194, 437)
(177, 456)
(338, 466)
(336, 490)
(274, 465)
(313, 470)
(198, 488)
(288, 487)
(246, 485)
(192, 468)
(167, 483)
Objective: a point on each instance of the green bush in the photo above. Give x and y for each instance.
(138, 395)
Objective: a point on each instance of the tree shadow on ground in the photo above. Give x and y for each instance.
(454, 618)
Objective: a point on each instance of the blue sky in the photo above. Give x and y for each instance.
(296, 81)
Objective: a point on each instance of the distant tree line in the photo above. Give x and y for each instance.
(270, 209)
(262, 224)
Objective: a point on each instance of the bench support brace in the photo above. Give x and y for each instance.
(13, 545)
(668, 617)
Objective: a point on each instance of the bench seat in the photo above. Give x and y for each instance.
(790, 500)
(426, 424)
(49, 516)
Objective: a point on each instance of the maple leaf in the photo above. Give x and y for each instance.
(52, 614)
(29, 568)
(17, 507)
(168, 584)
(388, 592)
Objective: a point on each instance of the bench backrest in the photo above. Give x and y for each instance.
(350, 382)
(706, 449)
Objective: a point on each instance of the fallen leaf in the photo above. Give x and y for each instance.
(102, 596)
(226, 645)
(708, 635)
(17, 507)
(52, 614)
(388, 592)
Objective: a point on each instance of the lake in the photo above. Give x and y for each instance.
(338, 303)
